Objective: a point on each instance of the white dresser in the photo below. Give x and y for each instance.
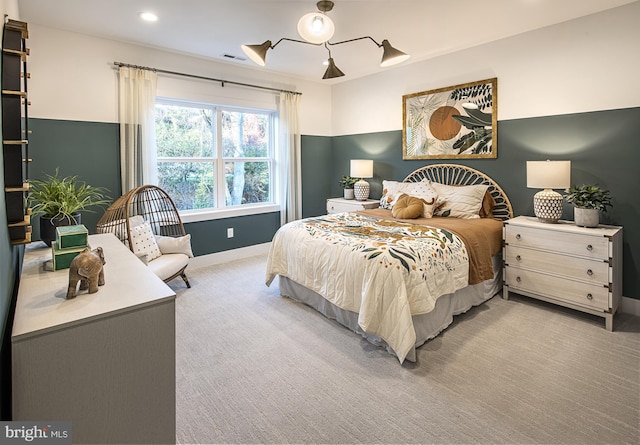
(339, 205)
(105, 361)
(576, 267)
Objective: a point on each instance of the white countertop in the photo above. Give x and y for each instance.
(42, 304)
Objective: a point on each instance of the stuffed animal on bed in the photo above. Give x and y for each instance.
(411, 207)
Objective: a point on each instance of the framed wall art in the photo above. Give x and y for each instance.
(460, 121)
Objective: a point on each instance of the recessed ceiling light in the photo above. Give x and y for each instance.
(148, 16)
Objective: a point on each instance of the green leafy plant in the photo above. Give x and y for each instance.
(347, 182)
(62, 198)
(589, 197)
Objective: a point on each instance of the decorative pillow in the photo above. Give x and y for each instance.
(488, 203)
(144, 242)
(460, 201)
(407, 207)
(172, 244)
(393, 190)
(390, 194)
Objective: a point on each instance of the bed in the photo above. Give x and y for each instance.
(396, 278)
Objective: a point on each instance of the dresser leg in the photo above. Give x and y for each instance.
(505, 292)
(608, 322)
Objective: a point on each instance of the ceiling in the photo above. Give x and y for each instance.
(215, 29)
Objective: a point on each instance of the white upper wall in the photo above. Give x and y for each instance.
(587, 64)
(73, 78)
(582, 65)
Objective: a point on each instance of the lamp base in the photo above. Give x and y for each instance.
(361, 189)
(547, 206)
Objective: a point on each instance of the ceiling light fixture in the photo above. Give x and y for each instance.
(316, 28)
(148, 16)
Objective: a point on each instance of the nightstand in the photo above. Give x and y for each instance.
(338, 205)
(575, 267)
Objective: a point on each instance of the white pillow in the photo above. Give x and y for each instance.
(460, 201)
(172, 244)
(144, 242)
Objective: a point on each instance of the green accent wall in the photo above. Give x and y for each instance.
(317, 167)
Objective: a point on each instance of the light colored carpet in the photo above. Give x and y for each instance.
(253, 367)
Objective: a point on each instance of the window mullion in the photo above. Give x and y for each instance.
(221, 185)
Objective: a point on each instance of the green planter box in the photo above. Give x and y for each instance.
(62, 257)
(71, 236)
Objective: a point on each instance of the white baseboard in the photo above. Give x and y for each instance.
(228, 255)
(630, 306)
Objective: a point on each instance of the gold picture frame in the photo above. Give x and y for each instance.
(459, 121)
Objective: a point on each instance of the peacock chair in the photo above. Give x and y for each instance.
(149, 208)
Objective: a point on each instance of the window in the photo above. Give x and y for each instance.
(214, 157)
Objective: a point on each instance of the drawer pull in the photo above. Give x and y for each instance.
(589, 247)
(518, 258)
(589, 272)
(518, 279)
(589, 297)
(518, 237)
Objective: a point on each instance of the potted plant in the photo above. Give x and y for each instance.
(588, 201)
(60, 200)
(347, 183)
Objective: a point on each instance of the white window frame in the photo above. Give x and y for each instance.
(224, 211)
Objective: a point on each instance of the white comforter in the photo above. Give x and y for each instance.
(383, 270)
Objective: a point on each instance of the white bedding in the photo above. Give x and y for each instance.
(384, 271)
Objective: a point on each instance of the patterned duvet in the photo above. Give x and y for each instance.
(384, 270)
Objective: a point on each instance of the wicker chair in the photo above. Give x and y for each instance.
(151, 204)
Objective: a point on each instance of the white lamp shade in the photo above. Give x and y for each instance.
(548, 174)
(316, 27)
(361, 168)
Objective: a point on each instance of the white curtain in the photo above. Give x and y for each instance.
(137, 96)
(289, 182)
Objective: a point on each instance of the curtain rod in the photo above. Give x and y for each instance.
(194, 76)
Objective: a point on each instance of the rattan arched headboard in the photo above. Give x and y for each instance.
(454, 174)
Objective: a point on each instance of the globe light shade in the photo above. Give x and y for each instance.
(316, 27)
(548, 175)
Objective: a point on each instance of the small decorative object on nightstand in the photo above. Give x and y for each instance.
(547, 175)
(361, 168)
(588, 201)
(564, 264)
(339, 205)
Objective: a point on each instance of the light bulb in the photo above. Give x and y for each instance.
(317, 24)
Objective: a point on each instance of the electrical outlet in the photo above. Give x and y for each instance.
(230, 232)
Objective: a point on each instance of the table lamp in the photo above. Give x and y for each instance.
(361, 168)
(548, 175)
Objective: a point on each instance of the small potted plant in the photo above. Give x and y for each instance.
(588, 202)
(347, 183)
(60, 200)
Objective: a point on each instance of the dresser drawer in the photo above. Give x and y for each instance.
(596, 247)
(583, 294)
(591, 271)
(350, 205)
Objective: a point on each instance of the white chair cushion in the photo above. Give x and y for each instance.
(167, 265)
(175, 244)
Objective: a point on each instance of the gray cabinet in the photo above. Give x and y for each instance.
(103, 361)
